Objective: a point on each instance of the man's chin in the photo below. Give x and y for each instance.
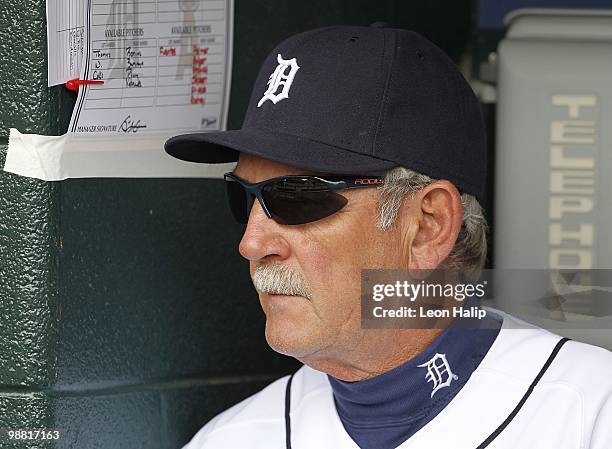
(289, 338)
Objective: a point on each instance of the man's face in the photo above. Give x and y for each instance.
(328, 255)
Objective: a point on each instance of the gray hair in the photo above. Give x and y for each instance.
(280, 279)
(470, 250)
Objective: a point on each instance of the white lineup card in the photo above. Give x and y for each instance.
(166, 67)
(65, 39)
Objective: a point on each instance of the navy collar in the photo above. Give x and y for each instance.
(394, 405)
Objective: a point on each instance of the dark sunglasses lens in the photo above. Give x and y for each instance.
(238, 202)
(302, 200)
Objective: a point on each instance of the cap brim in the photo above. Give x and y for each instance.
(225, 146)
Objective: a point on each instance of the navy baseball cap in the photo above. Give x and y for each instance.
(356, 100)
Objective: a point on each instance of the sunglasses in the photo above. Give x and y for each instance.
(294, 199)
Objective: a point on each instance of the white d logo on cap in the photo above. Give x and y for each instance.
(280, 80)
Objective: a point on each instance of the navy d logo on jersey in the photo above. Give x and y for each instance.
(438, 372)
(281, 79)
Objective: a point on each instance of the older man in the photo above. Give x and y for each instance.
(363, 147)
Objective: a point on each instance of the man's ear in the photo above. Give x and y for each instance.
(433, 225)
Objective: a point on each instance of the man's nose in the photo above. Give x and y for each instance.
(263, 237)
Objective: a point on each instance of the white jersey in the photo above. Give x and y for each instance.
(533, 390)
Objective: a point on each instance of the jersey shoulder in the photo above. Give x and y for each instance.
(585, 371)
(521, 344)
(530, 376)
(258, 420)
(586, 367)
(580, 374)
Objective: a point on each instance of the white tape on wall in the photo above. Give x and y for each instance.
(54, 158)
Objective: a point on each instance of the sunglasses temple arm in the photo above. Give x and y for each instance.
(363, 182)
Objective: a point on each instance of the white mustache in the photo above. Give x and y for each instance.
(279, 279)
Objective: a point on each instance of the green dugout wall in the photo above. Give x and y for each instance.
(127, 317)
